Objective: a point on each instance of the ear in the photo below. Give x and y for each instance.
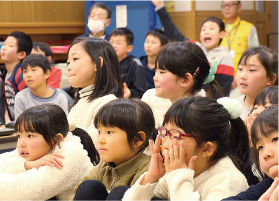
(21, 55)
(49, 58)
(239, 7)
(138, 142)
(47, 74)
(272, 79)
(57, 139)
(129, 48)
(208, 149)
(187, 81)
(222, 34)
(101, 62)
(107, 22)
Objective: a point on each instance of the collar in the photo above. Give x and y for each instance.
(86, 91)
(236, 22)
(102, 37)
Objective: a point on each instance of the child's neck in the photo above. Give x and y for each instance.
(43, 92)
(10, 66)
(120, 58)
(174, 99)
(249, 101)
(151, 62)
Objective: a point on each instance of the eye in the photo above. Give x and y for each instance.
(18, 136)
(30, 136)
(99, 132)
(259, 148)
(109, 132)
(24, 71)
(275, 139)
(68, 63)
(252, 70)
(239, 69)
(75, 59)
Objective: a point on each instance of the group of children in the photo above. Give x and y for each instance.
(108, 147)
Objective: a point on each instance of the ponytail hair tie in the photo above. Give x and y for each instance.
(212, 71)
(233, 106)
(72, 127)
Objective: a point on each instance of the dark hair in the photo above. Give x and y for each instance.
(129, 115)
(103, 6)
(24, 42)
(123, 32)
(185, 57)
(206, 120)
(264, 124)
(34, 60)
(108, 78)
(267, 57)
(159, 34)
(218, 21)
(38, 45)
(49, 120)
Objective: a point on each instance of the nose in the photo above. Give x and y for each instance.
(268, 153)
(21, 142)
(101, 139)
(69, 67)
(165, 142)
(242, 74)
(155, 78)
(257, 111)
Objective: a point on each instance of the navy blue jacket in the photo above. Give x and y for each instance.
(149, 74)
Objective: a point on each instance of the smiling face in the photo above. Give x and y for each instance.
(152, 45)
(252, 77)
(210, 35)
(35, 77)
(268, 154)
(32, 146)
(9, 50)
(81, 70)
(113, 146)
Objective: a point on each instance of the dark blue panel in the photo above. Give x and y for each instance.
(141, 17)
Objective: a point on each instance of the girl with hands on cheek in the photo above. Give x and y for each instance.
(205, 147)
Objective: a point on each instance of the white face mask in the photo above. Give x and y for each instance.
(96, 26)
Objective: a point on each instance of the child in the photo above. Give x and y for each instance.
(124, 127)
(264, 134)
(154, 40)
(93, 69)
(211, 35)
(2, 103)
(36, 71)
(202, 153)
(132, 72)
(55, 73)
(16, 47)
(49, 159)
(257, 70)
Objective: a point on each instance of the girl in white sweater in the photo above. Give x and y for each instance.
(205, 148)
(49, 160)
(93, 69)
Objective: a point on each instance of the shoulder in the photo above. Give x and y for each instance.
(245, 23)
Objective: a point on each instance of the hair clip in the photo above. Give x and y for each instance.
(197, 72)
(212, 71)
(233, 106)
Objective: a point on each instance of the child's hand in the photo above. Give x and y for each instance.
(126, 91)
(175, 157)
(248, 123)
(53, 160)
(272, 192)
(158, 3)
(156, 168)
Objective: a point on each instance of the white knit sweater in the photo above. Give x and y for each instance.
(45, 182)
(220, 181)
(83, 113)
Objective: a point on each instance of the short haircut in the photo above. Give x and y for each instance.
(218, 21)
(24, 42)
(103, 6)
(42, 46)
(34, 60)
(271, 93)
(123, 32)
(159, 34)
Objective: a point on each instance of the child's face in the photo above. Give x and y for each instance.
(38, 51)
(120, 46)
(35, 77)
(32, 146)
(112, 144)
(210, 35)
(168, 85)
(259, 108)
(152, 45)
(268, 154)
(190, 147)
(9, 50)
(252, 78)
(81, 70)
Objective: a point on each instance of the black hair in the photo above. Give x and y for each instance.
(108, 78)
(218, 21)
(129, 115)
(123, 32)
(267, 57)
(206, 120)
(49, 120)
(24, 42)
(159, 34)
(38, 45)
(34, 60)
(186, 57)
(264, 124)
(103, 6)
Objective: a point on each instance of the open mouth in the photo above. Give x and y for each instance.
(207, 39)
(243, 85)
(24, 154)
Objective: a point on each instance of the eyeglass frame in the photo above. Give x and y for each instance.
(169, 134)
(229, 5)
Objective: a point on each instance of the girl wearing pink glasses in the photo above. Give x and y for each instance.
(205, 151)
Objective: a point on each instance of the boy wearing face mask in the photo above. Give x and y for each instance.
(98, 19)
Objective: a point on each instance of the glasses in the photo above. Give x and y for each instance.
(172, 133)
(229, 5)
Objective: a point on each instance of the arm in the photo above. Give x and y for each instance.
(253, 39)
(138, 86)
(54, 78)
(11, 163)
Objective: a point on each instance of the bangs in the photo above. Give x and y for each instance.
(262, 130)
